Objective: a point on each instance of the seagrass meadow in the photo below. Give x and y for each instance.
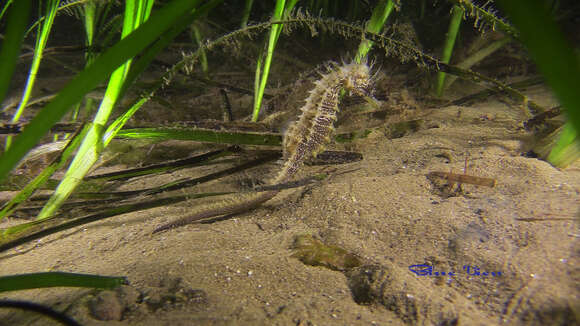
(289, 162)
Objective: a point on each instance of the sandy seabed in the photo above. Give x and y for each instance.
(383, 209)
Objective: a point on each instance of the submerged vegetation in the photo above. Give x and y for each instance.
(128, 55)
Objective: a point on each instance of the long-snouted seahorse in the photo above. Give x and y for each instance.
(305, 138)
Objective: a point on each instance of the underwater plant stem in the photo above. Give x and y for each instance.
(41, 39)
(5, 7)
(15, 29)
(90, 20)
(203, 57)
(477, 57)
(203, 135)
(375, 24)
(261, 83)
(454, 24)
(246, 13)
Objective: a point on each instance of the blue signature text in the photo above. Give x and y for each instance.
(427, 270)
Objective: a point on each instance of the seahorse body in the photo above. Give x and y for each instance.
(305, 138)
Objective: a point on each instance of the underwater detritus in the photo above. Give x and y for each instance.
(314, 252)
(464, 178)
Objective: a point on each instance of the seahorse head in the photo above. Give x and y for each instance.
(357, 78)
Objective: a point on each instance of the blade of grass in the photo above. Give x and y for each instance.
(454, 24)
(114, 128)
(477, 57)
(379, 16)
(246, 13)
(114, 197)
(41, 39)
(203, 135)
(89, 14)
(567, 147)
(203, 57)
(262, 71)
(167, 166)
(23, 233)
(16, 26)
(5, 7)
(554, 57)
(54, 279)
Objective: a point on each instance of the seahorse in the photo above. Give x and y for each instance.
(305, 137)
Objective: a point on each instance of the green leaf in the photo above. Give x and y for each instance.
(551, 52)
(567, 148)
(54, 279)
(11, 44)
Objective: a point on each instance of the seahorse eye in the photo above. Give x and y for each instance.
(364, 88)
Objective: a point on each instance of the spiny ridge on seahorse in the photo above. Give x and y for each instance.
(305, 138)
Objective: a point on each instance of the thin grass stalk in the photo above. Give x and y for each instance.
(203, 56)
(15, 30)
(5, 8)
(246, 13)
(203, 135)
(265, 69)
(41, 39)
(136, 12)
(287, 10)
(478, 57)
(454, 24)
(198, 160)
(379, 16)
(114, 128)
(90, 22)
(90, 17)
